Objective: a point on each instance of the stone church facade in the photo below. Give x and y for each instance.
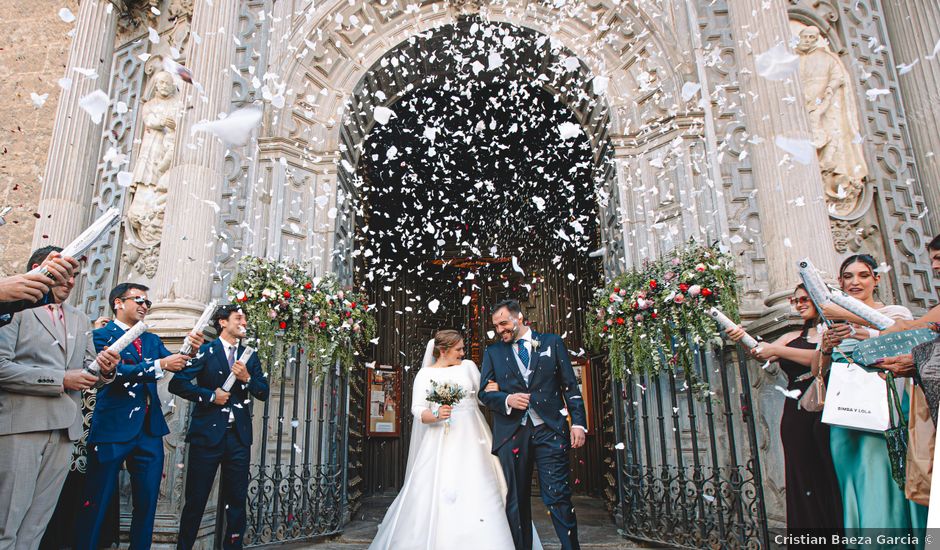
(682, 110)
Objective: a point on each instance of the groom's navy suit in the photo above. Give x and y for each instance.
(520, 444)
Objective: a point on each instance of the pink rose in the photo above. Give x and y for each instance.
(272, 314)
(695, 290)
(700, 268)
(638, 318)
(679, 298)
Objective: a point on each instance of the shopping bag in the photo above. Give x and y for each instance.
(896, 435)
(921, 437)
(856, 398)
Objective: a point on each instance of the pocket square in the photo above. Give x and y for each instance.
(546, 353)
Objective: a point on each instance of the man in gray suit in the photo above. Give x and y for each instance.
(43, 352)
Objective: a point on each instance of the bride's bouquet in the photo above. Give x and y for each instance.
(448, 394)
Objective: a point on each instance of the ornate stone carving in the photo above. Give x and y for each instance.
(849, 236)
(833, 118)
(137, 13)
(148, 190)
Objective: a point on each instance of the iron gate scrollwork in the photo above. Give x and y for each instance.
(689, 471)
(298, 476)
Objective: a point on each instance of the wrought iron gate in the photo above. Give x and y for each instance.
(689, 471)
(298, 480)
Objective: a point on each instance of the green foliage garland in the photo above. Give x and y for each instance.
(283, 301)
(650, 318)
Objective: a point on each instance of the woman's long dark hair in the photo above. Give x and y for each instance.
(809, 323)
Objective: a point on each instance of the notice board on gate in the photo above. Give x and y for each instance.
(383, 397)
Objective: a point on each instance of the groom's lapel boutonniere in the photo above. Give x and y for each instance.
(535, 345)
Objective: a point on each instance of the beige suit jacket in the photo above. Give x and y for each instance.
(33, 361)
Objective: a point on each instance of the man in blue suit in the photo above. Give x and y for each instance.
(220, 429)
(535, 390)
(127, 424)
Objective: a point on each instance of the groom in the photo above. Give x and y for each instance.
(537, 390)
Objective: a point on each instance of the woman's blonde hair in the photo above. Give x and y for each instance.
(445, 340)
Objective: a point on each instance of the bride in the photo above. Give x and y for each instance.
(454, 491)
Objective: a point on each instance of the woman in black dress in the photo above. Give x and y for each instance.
(814, 504)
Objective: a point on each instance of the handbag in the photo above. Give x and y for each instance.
(856, 399)
(927, 359)
(868, 351)
(814, 398)
(896, 435)
(920, 449)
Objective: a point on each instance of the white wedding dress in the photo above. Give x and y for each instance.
(453, 497)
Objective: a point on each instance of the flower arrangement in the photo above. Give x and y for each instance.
(282, 300)
(650, 318)
(447, 393)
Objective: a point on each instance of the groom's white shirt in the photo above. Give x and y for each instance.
(527, 342)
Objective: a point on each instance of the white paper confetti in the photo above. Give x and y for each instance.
(801, 150)
(66, 15)
(95, 104)
(777, 63)
(235, 129)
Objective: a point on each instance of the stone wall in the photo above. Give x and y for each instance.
(33, 51)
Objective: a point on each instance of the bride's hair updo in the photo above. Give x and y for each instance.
(444, 340)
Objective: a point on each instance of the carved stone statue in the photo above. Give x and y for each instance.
(833, 118)
(148, 191)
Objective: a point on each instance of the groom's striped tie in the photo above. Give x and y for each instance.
(524, 358)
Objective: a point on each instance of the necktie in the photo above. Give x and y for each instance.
(524, 358)
(58, 322)
(231, 356)
(523, 353)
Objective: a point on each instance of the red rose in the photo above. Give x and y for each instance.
(706, 292)
(348, 314)
(353, 305)
(683, 287)
(616, 289)
(308, 286)
(653, 315)
(283, 324)
(605, 328)
(286, 294)
(653, 283)
(620, 320)
(322, 324)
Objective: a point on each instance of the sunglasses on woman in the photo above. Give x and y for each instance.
(799, 301)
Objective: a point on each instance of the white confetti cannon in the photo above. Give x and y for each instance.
(3, 212)
(246, 355)
(818, 292)
(201, 325)
(863, 310)
(87, 238)
(726, 323)
(117, 347)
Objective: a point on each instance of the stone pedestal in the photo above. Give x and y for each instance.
(793, 214)
(69, 181)
(914, 29)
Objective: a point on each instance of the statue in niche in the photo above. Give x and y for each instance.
(833, 119)
(148, 191)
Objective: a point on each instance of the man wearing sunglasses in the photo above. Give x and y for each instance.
(127, 424)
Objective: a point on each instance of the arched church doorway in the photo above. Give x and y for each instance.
(475, 168)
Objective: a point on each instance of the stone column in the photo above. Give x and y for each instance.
(793, 215)
(69, 181)
(913, 30)
(183, 282)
